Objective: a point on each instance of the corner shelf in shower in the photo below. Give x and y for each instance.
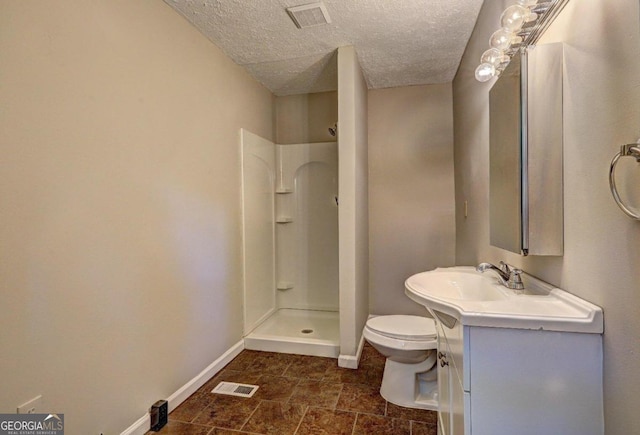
(284, 219)
(283, 190)
(284, 285)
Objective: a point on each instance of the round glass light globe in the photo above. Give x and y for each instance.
(514, 17)
(501, 39)
(485, 72)
(493, 56)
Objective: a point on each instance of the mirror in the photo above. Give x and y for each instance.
(526, 153)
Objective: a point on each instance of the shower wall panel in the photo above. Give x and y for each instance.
(258, 176)
(308, 245)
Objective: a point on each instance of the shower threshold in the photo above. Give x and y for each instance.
(303, 332)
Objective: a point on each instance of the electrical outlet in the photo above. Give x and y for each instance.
(31, 407)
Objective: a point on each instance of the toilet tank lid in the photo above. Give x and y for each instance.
(404, 327)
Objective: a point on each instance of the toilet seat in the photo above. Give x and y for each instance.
(402, 327)
(402, 332)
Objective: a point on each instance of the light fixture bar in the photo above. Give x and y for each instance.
(545, 20)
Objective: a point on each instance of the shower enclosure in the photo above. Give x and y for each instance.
(290, 246)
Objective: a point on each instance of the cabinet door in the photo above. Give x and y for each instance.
(532, 382)
(444, 397)
(455, 351)
(456, 402)
(450, 348)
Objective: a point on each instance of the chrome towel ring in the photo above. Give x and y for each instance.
(632, 150)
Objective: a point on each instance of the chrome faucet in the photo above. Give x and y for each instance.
(508, 277)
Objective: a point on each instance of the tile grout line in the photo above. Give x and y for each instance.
(286, 368)
(303, 416)
(335, 405)
(355, 420)
(195, 417)
(251, 415)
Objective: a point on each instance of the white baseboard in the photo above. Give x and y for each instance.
(141, 426)
(352, 361)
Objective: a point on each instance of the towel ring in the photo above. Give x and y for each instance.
(632, 150)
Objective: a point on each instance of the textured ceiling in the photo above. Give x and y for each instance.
(399, 42)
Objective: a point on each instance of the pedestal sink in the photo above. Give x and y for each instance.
(477, 299)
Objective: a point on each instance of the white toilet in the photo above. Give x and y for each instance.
(410, 372)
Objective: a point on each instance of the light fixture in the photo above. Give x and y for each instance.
(514, 17)
(485, 72)
(503, 38)
(522, 25)
(494, 56)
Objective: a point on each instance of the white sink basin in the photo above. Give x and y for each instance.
(456, 283)
(477, 299)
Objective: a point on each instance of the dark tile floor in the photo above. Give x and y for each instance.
(300, 395)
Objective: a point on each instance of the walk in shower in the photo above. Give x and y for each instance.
(290, 246)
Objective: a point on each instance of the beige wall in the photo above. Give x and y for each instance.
(602, 246)
(119, 203)
(411, 192)
(353, 213)
(306, 118)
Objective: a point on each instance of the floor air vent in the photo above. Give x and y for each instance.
(233, 389)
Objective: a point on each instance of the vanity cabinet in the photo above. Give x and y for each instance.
(518, 381)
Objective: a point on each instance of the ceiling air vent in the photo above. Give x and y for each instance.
(313, 14)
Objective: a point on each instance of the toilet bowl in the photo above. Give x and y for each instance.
(409, 343)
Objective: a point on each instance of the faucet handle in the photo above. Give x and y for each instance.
(515, 279)
(504, 267)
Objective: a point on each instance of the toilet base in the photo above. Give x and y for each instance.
(411, 385)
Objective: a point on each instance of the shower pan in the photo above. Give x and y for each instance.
(290, 246)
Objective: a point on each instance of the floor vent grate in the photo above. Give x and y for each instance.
(234, 389)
